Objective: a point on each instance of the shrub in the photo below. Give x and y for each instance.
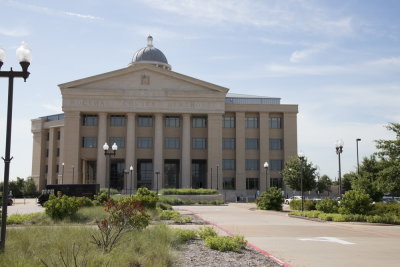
(185, 235)
(100, 198)
(308, 204)
(272, 199)
(206, 231)
(84, 202)
(164, 206)
(355, 202)
(169, 215)
(146, 197)
(113, 191)
(226, 243)
(170, 200)
(189, 191)
(381, 208)
(22, 218)
(327, 205)
(60, 207)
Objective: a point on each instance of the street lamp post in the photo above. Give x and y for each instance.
(217, 177)
(62, 173)
(24, 56)
(108, 154)
(339, 150)
(266, 175)
(157, 173)
(301, 157)
(358, 163)
(131, 170)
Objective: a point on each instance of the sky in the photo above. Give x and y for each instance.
(338, 60)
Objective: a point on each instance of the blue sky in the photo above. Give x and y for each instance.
(338, 60)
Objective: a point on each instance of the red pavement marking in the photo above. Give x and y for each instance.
(269, 255)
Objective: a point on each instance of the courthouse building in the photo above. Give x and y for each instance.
(172, 129)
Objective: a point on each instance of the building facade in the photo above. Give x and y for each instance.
(175, 131)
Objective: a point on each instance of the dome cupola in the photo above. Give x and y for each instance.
(150, 55)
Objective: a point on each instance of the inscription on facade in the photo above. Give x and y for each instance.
(145, 79)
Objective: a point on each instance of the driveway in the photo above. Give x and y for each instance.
(298, 242)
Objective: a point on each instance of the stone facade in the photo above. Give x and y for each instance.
(193, 133)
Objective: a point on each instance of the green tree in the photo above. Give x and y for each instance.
(295, 170)
(389, 155)
(30, 187)
(324, 184)
(346, 182)
(17, 187)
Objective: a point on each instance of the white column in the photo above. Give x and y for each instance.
(158, 151)
(130, 156)
(186, 158)
(101, 158)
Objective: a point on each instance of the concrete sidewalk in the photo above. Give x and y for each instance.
(301, 242)
(24, 206)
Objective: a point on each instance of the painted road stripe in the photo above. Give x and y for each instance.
(327, 239)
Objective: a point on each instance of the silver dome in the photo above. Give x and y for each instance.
(150, 55)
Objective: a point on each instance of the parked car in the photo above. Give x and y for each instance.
(288, 200)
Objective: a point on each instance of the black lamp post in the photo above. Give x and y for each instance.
(301, 157)
(24, 57)
(358, 163)
(157, 173)
(339, 150)
(217, 177)
(62, 173)
(131, 170)
(108, 154)
(266, 175)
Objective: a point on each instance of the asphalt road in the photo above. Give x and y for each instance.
(298, 242)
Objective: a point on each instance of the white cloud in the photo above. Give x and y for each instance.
(82, 16)
(14, 32)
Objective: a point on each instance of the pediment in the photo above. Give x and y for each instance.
(142, 79)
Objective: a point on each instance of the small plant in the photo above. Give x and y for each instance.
(61, 207)
(100, 198)
(271, 199)
(226, 243)
(185, 235)
(169, 215)
(22, 218)
(308, 204)
(206, 231)
(146, 197)
(125, 216)
(386, 209)
(189, 191)
(327, 205)
(84, 202)
(355, 202)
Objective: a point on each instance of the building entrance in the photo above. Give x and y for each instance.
(145, 173)
(171, 173)
(199, 173)
(117, 174)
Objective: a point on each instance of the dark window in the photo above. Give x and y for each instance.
(276, 164)
(171, 173)
(89, 120)
(89, 142)
(252, 183)
(229, 183)
(57, 168)
(145, 121)
(91, 166)
(46, 168)
(58, 135)
(58, 152)
(145, 142)
(199, 122)
(172, 122)
(47, 152)
(117, 120)
(199, 174)
(251, 122)
(48, 136)
(171, 143)
(228, 143)
(199, 143)
(145, 173)
(276, 182)
(228, 122)
(252, 143)
(228, 164)
(275, 144)
(252, 164)
(119, 141)
(275, 123)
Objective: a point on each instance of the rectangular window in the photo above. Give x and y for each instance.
(275, 144)
(171, 143)
(46, 168)
(47, 152)
(89, 120)
(57, 168)
(58, 152)
(252, 143)
(58, 135)
(229, 183)
(276, 182)
(199, 122)
(199, 143)
(145, 142)
(172, 122)
(252, 164)
(251, 122)
(48, 136)
(228, 122)
(276, 164)
(117, 120)
(145, 121)
(89, 142)
(275, 123)
(228, 143)
(119, 141)
(228, 164)
(252, 184)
